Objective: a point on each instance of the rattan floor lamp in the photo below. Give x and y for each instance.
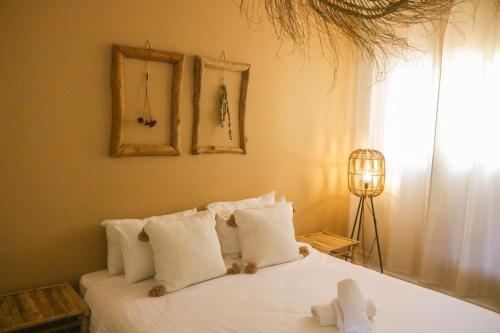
(366, 178)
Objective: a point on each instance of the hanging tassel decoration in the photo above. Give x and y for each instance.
(147, 118)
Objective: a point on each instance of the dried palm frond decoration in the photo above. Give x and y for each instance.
(372, 25)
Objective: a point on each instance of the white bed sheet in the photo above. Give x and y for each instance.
(89, 279)
(278, 299)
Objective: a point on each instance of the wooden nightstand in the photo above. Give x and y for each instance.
(329, 243)
(52, 308)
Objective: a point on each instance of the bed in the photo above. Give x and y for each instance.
(276, 299)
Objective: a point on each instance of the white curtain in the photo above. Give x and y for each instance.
(436, 118)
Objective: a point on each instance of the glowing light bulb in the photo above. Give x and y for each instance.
(367, 177)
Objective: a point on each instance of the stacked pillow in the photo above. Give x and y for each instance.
(266, 235)
(189, 247)
(186, 250)
(126, 254)
(227, 233)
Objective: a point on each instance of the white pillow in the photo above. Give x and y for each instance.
(266, 235)
(230, 206)
(186, 250)
(115, 256)
(228, 236)
(137, 255)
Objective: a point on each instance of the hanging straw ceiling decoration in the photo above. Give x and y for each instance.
(370, 24)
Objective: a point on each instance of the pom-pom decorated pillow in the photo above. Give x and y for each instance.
(116, 263)
(267, 235)
(225, 226)
(186, 250)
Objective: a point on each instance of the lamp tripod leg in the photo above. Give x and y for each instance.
(361, 213)
(354, 225)
(360, 222)
(355, 219)
(376, 237)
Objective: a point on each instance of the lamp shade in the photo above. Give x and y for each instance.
(366, 172)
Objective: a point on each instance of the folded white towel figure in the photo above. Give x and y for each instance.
(371, 309)
(352, 304)
(325, 315)
(338, 313)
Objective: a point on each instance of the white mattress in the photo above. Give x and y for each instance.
(278, 299)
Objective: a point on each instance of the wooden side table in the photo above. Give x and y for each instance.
(329, 243)
(47, 309)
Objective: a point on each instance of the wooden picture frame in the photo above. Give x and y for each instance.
(117, 146)
(200, 64)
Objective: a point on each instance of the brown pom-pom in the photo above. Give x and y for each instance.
(304, 250)
(231, 222)
(235, 269)
(250, 268)
(157, 291)
(143, 236)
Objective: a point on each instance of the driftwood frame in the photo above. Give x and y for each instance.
(117, 146)
(200, 64)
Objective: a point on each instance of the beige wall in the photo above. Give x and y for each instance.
(56, 179)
